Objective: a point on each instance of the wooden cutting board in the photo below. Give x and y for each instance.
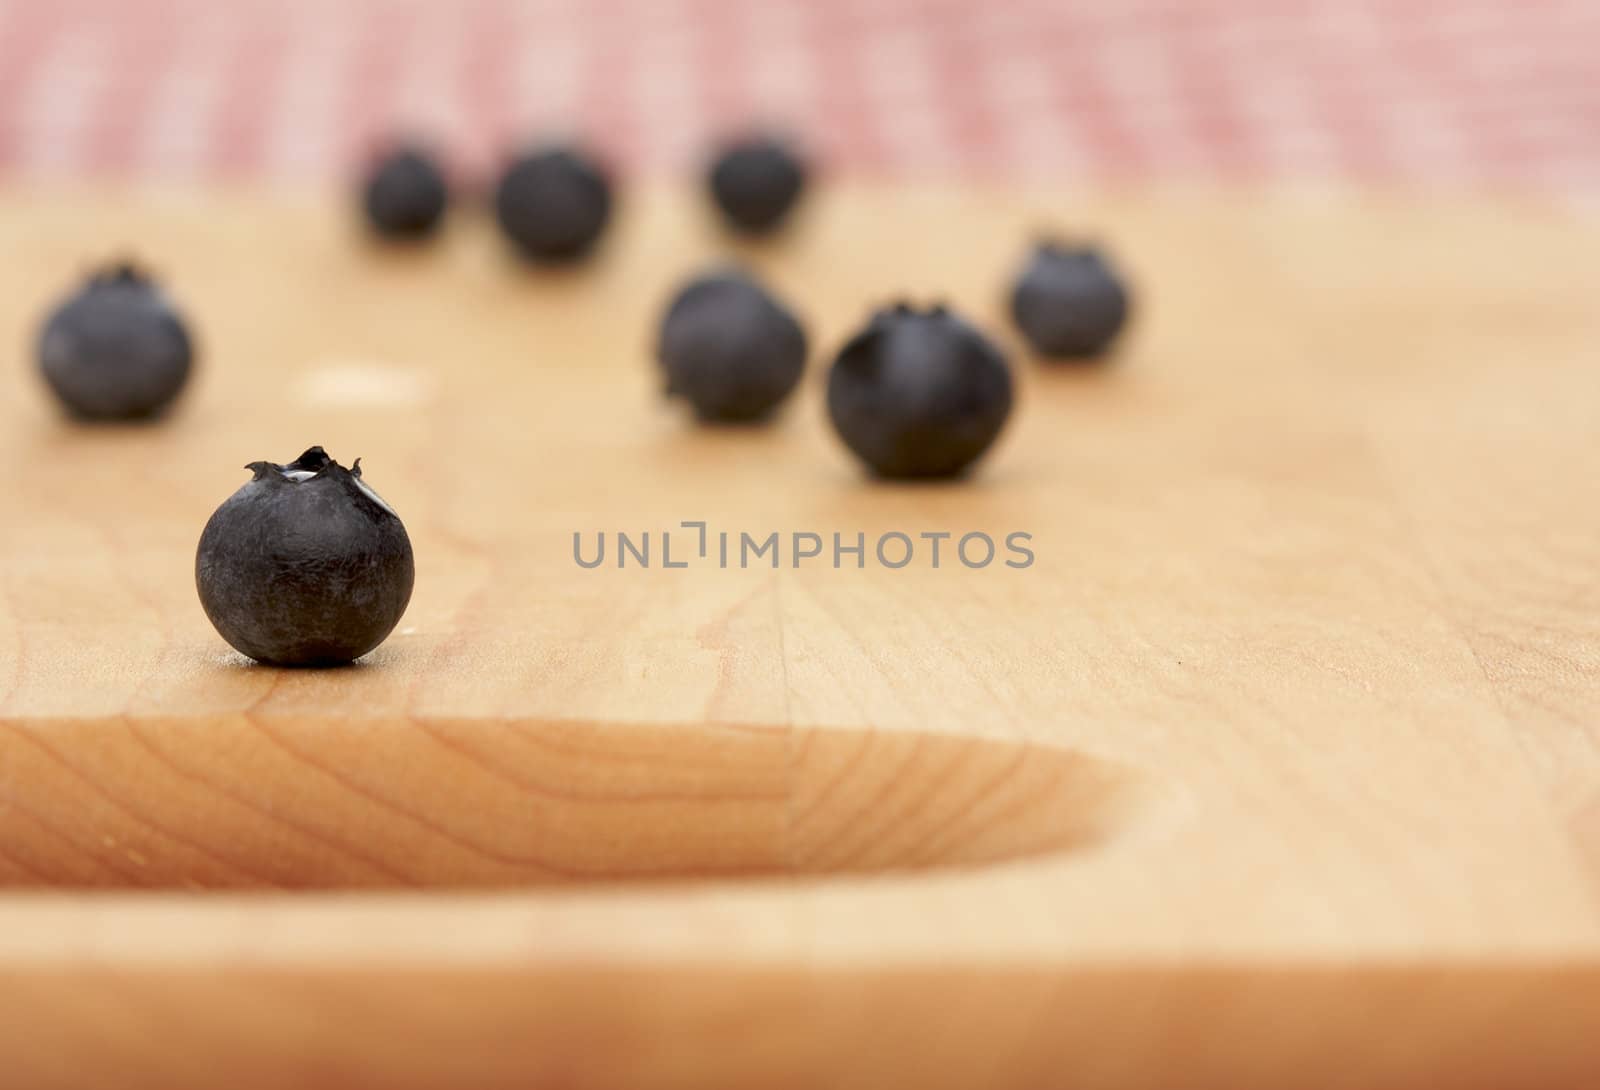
(1279, 765)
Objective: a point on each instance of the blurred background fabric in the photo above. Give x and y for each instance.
(1421, 92)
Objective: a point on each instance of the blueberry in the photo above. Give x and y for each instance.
(553, 204)
(919, 393)
(304, 565)
(1069, 302)
(729, 348)
(756, 182)
(405, 195)
(116, 349)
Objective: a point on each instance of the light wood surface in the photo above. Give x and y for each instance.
(1279, 767)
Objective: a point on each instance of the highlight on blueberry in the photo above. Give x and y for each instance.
(756, 182)
(553, 203)
(729, 348)
(405, 194)
(116, 349)
(1069, 302)
(919, 393)
(304, 565)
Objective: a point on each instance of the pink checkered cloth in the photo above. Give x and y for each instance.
(1498, 93)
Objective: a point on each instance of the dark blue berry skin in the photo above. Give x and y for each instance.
(553, 204)
(1069, 302)
(730, 349)
(304, 565)
(117, 349)
(756, 183)
(919, 393)
(405, 195)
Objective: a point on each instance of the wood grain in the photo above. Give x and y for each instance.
(1278, 766)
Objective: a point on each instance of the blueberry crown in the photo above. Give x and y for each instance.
(313, 463)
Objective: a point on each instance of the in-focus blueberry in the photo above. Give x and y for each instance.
(304, 565)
